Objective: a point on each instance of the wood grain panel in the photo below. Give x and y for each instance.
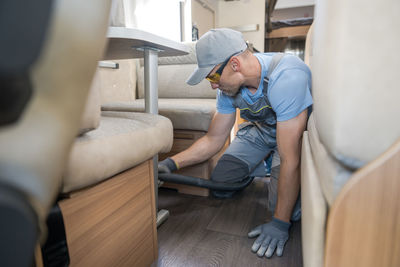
(183, 139)
(199, 170)
(295, 31)
(153, 209)
(363, 226)
(187, 134)
(113, 223)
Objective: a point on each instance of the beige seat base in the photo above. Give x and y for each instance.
(313, 207)
(183, 139)
(363, 226)
(113, 223)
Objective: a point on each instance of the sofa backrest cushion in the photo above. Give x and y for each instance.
(356, 78)
(172, 75)
(118, 85)
(172, 83)
(91, 115)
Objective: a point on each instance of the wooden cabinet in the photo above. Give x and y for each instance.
(113, 223)
(182, 140)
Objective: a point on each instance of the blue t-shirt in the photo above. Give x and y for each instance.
(289, 88)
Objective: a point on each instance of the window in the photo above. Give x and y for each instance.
(161, 17)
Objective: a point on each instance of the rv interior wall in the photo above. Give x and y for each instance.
(203, 16)
(242, 13)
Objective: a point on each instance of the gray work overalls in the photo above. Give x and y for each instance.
(256, 139)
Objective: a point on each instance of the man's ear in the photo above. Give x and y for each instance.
(235, 64)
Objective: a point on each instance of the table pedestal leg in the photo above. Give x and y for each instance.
(151, 106)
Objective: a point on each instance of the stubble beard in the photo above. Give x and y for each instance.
(231, 92)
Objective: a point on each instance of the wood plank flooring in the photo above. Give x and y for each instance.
(204, 231)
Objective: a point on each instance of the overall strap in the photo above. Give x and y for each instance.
(274, 62)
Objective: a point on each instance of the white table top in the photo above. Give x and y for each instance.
(122, 44)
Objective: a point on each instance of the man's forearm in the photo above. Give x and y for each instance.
(201, 150)
(288, 190)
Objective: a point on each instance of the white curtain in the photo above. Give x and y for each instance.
(117, 17)
(161, 17)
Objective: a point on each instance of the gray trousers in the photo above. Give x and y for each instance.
(245, 157)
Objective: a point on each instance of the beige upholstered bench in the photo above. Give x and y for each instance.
(108, 200)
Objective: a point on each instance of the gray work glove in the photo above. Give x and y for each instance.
(168, 165)
(271, 236)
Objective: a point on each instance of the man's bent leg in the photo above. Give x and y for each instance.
(229, 169)
(242, 159)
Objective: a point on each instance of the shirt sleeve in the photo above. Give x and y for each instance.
(224, 103)
(290, 93)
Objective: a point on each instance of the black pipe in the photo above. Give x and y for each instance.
(199, 182)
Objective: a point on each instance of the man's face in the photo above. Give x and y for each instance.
(226, 82)
(229, 89)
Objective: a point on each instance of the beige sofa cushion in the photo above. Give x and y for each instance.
(172, 83)
(118, 84)
(109, 85)
(91, 115)
(185, 114)
(331, 174)
(356, 78)
(189, 58)
(172, 75)
(123, 140)
(313, 208)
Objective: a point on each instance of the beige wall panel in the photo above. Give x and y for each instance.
(241, 13)
(203, 17)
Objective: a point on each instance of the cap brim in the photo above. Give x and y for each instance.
(198, 75)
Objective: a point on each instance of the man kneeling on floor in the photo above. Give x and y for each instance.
(272, 92)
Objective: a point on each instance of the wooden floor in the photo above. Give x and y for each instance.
(203, 231)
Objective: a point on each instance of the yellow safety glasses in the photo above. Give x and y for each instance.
(216, 76)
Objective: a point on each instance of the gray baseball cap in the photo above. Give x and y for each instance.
(213, 48)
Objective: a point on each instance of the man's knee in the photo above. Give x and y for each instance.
(230, 169)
